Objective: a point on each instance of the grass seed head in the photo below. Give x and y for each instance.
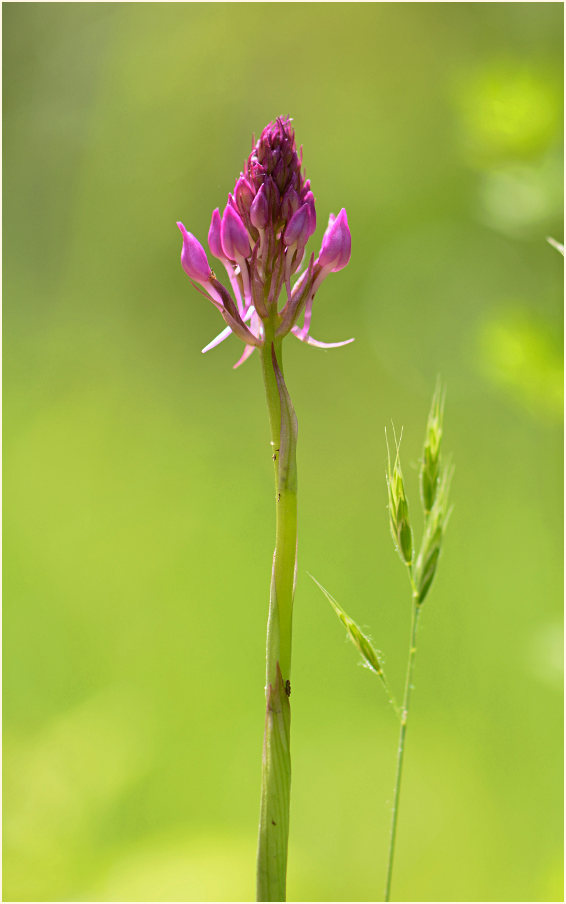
(431, 547)
(399, 521)
(360, 640)
(431, 460)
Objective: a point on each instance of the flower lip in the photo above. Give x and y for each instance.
(336, 244)
(193, 257)
(233, 235)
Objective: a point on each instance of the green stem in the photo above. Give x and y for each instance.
(401, 747)
(276, 766)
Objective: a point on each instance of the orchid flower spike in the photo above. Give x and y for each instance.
(261, 240)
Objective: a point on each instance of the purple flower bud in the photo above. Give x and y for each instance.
(309, 199)
(259, 211)
(336, 243)
(280, 174)
(295, 180)
(214, 242)
(264, 154)
(289, 204)
(272, 194)
(193, 258)
(244, 194)
(297, 230)
(233, 235)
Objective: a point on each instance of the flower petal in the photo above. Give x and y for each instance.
(314, 342)
(228, 332)
(246, 354)
(217, 340)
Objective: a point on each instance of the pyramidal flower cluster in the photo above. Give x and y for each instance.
(260, 239)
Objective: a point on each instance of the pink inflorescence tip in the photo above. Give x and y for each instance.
(260, 239)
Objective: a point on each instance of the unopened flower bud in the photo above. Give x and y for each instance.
(214, 241)
(289, 204)
(233, 235)
(193, 257)
(259, 211)
(280, 174)
(309, 199)
(297, 230)
(272, 194)
(336, 243)
(264, 153)
(243, 194)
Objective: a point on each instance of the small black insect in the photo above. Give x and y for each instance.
(288, 687)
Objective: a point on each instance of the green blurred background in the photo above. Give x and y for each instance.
(138, 481)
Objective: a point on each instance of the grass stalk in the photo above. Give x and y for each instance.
(401, 745)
